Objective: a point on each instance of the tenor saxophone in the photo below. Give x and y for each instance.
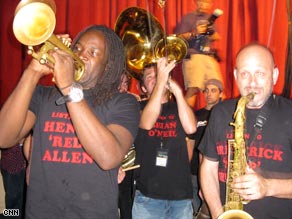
(233, 208)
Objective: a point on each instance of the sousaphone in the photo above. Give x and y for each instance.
(145, 41)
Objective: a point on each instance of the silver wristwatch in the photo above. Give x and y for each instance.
(75, 95)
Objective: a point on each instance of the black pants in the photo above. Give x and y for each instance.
(14, 186)
(126, 195)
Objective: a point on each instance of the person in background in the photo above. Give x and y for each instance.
(201, 62)
(13, 168)
(213, 94)
(125, 82)
(126, 187)
(266, 134)
(163, 181)
(81, 130)
(125, 85)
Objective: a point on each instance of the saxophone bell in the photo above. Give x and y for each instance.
(235, 214)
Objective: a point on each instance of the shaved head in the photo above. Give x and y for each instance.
(255, 72)
(255, 48)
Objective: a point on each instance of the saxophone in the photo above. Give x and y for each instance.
(233, 208)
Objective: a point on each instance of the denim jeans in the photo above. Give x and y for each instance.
(150, 208)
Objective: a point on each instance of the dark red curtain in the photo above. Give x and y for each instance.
(243, 21)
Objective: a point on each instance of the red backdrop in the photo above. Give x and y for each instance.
(243, 21)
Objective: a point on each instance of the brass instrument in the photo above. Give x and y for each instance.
(33, 24)
(237, 163)
(129, 160)
(145, 41)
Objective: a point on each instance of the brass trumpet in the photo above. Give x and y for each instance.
(33, 24)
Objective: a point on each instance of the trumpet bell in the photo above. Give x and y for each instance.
(34, 21)
(175, 48)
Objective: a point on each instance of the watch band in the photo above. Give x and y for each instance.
(75, 95)
(63, 100)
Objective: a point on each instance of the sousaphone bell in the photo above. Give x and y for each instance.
(145, 41)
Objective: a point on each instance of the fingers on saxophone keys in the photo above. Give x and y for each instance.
(248, 191)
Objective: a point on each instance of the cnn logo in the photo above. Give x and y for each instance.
(11, 212)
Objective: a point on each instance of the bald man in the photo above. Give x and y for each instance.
(267, 182)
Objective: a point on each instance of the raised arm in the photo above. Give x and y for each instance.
(185, 112)
(152, 110)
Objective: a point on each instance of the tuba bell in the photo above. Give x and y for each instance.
(33, 24)
(145, 41)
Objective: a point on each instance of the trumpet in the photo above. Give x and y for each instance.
(33, 24)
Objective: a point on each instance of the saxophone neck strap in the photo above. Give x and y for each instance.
(261, 120)
(264, 114)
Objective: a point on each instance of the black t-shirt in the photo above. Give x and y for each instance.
(172, 182)
(269, 152)
(202, 118)
(65, 182)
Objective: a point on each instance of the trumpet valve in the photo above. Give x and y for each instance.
(30, 50)
(66, 42)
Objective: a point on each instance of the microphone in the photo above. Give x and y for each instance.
(217, 13)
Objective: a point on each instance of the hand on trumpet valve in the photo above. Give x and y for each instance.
(65, 38)
(64, 64)
(39, 70)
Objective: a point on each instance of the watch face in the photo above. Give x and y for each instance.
(76, 93)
